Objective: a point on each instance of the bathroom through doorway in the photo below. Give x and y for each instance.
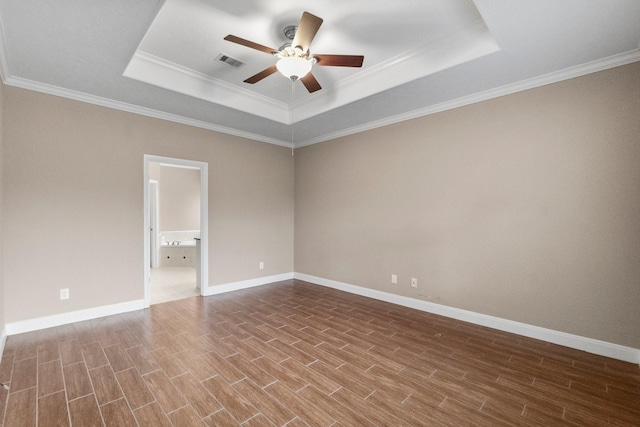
(175, 229)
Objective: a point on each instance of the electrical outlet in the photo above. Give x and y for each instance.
(414, 282)
(261, 265)
(394, 279)
(64, 293)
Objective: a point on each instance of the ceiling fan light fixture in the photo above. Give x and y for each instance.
(294, 58)
(294, 67)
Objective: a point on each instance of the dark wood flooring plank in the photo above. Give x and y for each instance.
(296, 354)
(347, 416)
(118, 414)
(165, 392)
(105, 385)
(93, 355)
(239, 408)
(221, 418)
(304, 409)
(117, 357)
(70, 352)
(134, 388)
(312, 377)
(282, 374)
(52, 410)
(142, 359)
(21, 408)
(48, 351)
(251, 370)
(50, 378)
(25, 374)
(276, 412)
(186, 417)
(198, 397)
(168, 362)
(84, 412)
(77, 382)
(151, 416)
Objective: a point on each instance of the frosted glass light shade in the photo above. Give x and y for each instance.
(293, 67)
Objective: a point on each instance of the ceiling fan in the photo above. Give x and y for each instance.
(295, 60)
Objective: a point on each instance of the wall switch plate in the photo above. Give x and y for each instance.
(414, 282)
(261, 265)
(64, 293)
(394, 278)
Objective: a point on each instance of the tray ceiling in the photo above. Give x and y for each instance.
(159, 58)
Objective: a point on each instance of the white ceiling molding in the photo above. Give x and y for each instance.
(464, 45)
(569, 73)
(421, 58)
(454, 49)
(136, 109)
(159, 72)
(592, 67)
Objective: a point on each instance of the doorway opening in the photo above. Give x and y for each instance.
(184, 249)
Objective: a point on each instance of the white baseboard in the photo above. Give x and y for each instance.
(108, 310)
(71, 317)
(602, 348)
(3, 340)
(244, 284)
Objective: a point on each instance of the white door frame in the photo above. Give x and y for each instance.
(204, 220)
(153, 223)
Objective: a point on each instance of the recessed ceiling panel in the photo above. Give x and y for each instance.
(421, 57)
(401, 42)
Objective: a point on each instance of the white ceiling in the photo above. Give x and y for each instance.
(158, 58)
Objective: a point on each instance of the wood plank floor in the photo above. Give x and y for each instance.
(296, 354)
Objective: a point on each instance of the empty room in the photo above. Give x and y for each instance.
(296, 213)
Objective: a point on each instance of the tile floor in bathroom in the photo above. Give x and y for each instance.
(172, 283)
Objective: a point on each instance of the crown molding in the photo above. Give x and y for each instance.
(130, 108)
(464, 45)
(156, 71)
(566, 74)
(9, 80)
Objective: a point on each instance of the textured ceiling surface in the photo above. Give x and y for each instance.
(158, 58)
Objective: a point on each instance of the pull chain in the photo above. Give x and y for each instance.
(293, 91)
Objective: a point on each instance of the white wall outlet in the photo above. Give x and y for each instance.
(64, 293)
(261, 265)
(394, 278)
(414, 282)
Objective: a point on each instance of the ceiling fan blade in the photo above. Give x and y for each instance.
(339, 60)
(250, 44)
(310, 82)
(261, 75)
(307, 29)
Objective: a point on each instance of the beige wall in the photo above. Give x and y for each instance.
(525, 207)
(179, 199)
(154, 171)
(73, 202)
